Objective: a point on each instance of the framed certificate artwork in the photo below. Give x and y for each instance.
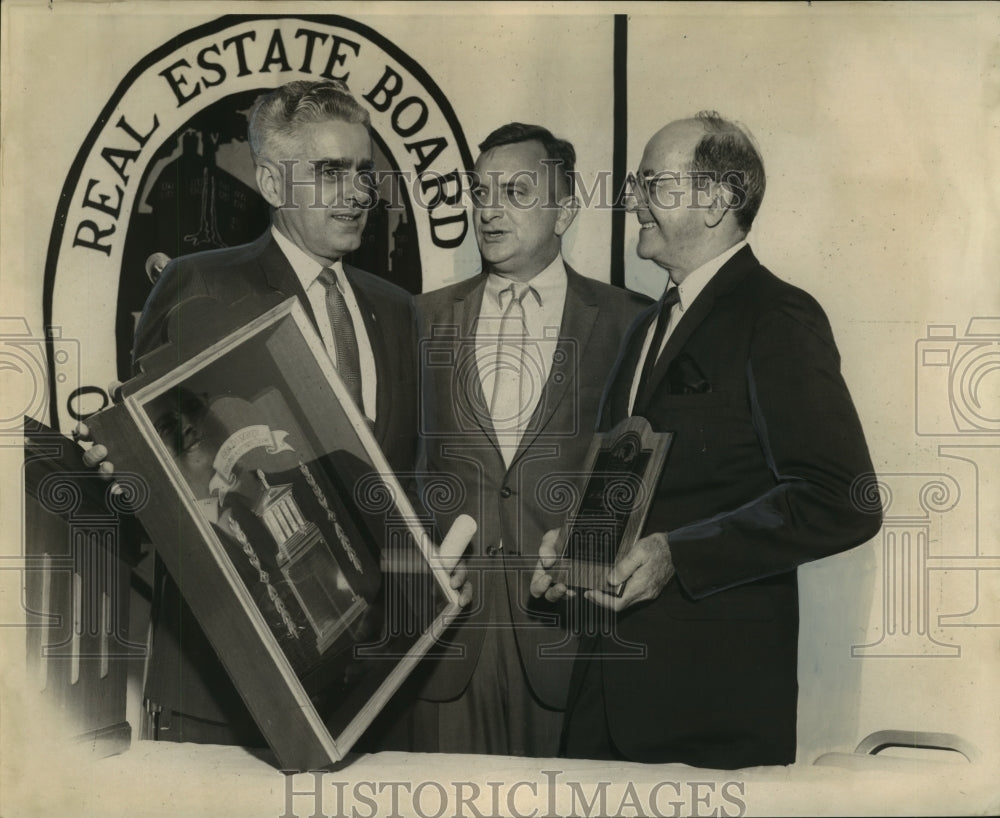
(287, 532)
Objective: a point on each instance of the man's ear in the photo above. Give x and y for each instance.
(721, 201)
(569, 206)
(270, 183)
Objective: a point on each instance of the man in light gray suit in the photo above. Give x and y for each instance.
(513, 363)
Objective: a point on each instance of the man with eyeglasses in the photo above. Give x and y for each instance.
(768, 469)
(514, 361)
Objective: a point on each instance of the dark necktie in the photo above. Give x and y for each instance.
(344, 338)
(670, 298)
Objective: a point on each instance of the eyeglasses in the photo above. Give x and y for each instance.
(646, 189)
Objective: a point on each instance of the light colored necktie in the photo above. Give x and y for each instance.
(509, 404)
(344, 338)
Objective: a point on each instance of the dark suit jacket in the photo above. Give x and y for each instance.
(185, 674)
(765, 471)
(260, 270)
(515, 505)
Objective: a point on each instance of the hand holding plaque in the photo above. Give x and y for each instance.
(621, 471)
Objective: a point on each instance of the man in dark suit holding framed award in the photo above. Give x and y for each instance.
(768, 469)
(513, 364)
(312, 150)
(313, 154)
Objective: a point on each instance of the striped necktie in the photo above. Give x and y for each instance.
(344, 338)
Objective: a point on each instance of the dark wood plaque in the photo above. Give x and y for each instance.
(622, 469)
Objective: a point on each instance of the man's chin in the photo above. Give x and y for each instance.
(495, 262)
(646, 248)
(343, 248)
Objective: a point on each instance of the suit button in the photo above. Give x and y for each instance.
(506, 492)
(492, 551)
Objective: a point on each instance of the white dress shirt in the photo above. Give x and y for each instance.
(543, 311)
(688, 290)
(308, 269)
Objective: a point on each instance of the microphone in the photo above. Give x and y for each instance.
(155, 264)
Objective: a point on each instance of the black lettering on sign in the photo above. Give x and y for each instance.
(74, 403)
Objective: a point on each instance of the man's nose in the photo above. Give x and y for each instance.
(490, 212)
(360, 190)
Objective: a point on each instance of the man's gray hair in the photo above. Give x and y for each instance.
(728, 154)
(276, 115)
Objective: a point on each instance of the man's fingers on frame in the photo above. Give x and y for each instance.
(547, 559)
(94, 455)
(559, 591)
(628, 566)
(549, 540)
(605, 600)
(459, 576)
(540, 583)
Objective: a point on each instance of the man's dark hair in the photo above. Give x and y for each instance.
(727, 154)
(559, 152)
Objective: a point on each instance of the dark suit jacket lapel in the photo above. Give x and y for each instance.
(730, 274)
(280, 276)
(381, 351)
(580, 312)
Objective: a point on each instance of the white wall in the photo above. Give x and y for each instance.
(879, 130)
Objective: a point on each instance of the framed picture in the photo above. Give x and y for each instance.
(286, 530)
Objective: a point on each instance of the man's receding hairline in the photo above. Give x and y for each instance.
(548, 163)
(531, 141)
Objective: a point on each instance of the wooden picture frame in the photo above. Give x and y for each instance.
(285, 528)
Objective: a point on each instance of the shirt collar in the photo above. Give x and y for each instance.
(305, 266)
(546, 284)
(697, 279)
